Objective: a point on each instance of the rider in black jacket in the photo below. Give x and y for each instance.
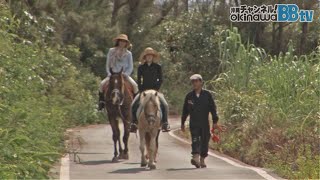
(150, 77)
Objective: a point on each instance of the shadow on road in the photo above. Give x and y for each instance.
(97, 162)
(90, 153)
(128, 171)
(180, 169)
(132, 163)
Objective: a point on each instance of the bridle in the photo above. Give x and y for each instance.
(151, 117)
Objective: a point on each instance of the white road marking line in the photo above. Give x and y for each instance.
(260, 171)
(65, 168)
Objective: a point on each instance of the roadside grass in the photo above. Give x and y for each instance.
(41, 94)
(270, 105)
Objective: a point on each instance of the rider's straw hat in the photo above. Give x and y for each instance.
(148, 51)
(122, 37)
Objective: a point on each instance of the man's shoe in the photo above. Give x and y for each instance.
(195, 160)
(165, 127)
(202, 163)
(133, 128)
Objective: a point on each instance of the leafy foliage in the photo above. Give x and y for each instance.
(41, 94)
(271, 106)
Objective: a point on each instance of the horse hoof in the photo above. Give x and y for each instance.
(124, 156)
(115, 159)
(143, 164)
(152, 166)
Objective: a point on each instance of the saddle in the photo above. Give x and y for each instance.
(127, 85)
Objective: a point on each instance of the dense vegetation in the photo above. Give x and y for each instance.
(265, 76)
(271, 107)
(41, 94)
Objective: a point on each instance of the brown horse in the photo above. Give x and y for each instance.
(118, 98)
(149, 125)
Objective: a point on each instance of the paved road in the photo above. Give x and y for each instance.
(173, 160)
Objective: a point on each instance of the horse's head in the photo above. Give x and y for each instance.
(151, 106)
(116, 88)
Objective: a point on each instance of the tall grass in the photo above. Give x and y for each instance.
(271, 105)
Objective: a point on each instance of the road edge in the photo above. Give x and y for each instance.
(65, 168)
(259, 171)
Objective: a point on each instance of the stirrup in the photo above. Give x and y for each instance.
(101, 105)
(165, 127)
(133, 128)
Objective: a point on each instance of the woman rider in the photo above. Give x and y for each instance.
(149, 77)
(119, 57)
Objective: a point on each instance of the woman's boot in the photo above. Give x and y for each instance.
(102, 103)
(165, 124)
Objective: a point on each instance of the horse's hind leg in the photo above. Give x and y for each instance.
(142, 148)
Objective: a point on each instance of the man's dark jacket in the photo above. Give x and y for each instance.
(198, 108)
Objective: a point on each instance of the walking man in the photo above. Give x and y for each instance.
(198, 103)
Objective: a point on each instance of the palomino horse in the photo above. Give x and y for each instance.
(118, 100)
(149, 125)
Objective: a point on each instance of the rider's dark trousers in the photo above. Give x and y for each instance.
(200, 137)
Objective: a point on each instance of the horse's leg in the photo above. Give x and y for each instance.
(115, 137)
(126, 134)
(157, 147)
(153, 136)
(148, 145)
(142, 148)
(119, 141)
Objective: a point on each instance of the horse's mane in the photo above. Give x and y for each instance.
(149, 95)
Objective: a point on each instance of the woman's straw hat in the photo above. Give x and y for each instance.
(122, 37)
(147, 51)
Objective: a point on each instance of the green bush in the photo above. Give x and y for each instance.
(42, 93)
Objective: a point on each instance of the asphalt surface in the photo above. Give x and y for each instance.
(96, 152)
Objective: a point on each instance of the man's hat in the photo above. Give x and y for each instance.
(151, 51)
(196, 77)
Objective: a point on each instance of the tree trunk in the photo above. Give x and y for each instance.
(259, 32)
(186, 5)
(274, 37)
(117, 4)
(279, 38)
(236, 2)
(176, 8)
(132, 16)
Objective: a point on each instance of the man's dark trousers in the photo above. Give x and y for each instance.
(200, 140)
